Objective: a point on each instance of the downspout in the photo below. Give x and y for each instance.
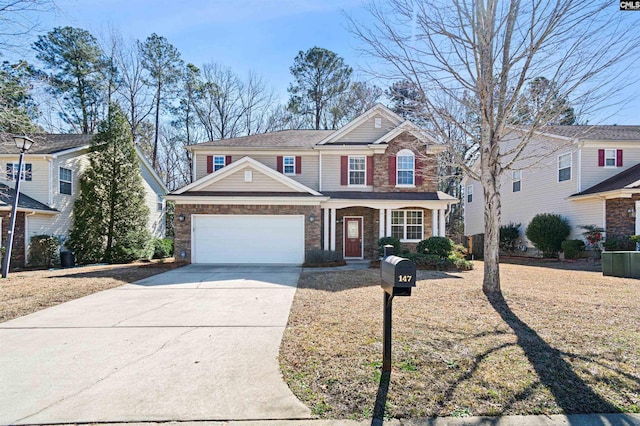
(320, 173)
(26, 234)
(579, 161)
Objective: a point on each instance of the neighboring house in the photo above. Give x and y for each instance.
(271, 198)
(50, 185)
(587, 174)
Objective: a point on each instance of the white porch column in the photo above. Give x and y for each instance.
(326, 229)
(381, 223)
(434, 223)
(333, 229)
(388, 223)
(441, 223)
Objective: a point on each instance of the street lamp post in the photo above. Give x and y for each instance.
(23, 143)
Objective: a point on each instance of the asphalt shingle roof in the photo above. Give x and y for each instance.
(619, 181)
(609, 132)
(8, 196)
(45, 143)
(284, 138)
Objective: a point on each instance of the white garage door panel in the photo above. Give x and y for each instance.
(248, 239)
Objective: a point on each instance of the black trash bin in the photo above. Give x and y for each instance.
(67, 259)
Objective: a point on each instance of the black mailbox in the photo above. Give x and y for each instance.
(398, 275)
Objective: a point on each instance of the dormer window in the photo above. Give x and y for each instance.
(405, 168)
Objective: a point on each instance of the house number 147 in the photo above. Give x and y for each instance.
(404, 278)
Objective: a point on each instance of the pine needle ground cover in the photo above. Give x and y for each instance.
(560, 341)
(23, 293)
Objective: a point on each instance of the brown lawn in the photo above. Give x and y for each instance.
(561, 341)
(22, 293)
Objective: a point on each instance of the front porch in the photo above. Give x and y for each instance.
(354, 226)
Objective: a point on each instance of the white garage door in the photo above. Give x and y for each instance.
(247, 239)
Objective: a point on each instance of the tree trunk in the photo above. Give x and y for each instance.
(492, 211)
(155, 138)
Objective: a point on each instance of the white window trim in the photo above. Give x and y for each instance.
(160, 203)
(224, 162)
(405, 153)
(514, 180)
(14, 167)
(615, 158)
(284, 164)
(570, 167)
(404, 232)
(60, 180)
(358, 185)
(469, 192)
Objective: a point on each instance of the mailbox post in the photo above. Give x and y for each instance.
(398, 276)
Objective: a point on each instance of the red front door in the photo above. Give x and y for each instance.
(352, 237)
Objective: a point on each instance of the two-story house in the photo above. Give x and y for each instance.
(588, 174)
(50, 185)
(270, 198)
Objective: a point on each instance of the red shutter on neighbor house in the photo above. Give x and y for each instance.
(279, 164)
(209, 163)
(392, 170)
(298, 165)
(419, 172)
(227, 160)
(619, 158)
(369, 170)
(344, 171)
(601, 158)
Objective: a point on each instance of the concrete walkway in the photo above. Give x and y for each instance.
(197, 343)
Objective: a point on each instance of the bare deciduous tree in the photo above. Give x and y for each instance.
(482, 55)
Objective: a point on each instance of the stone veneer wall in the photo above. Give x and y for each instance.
(18, 248)
(429, 170)
(182, 239)
(619, 224)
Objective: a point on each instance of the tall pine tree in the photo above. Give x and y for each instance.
(110, 216)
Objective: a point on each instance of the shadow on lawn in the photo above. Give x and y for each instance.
(571, 393)
(381, 399)
(126, 273)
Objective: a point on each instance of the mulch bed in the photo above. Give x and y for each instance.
(560, 341)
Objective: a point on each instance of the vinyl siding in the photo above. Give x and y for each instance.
(37, 224)
(157, 218)
(540, 193)
(260, 182)
(367, 132)
(38, 186)
(592, 174)
(308, 177)
(331, 175)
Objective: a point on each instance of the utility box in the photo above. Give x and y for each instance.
(398, 275)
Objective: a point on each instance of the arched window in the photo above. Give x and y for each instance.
(405, 167)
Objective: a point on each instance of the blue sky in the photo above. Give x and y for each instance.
(259, 35)
(263, 36)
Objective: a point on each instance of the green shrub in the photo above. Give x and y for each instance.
(437, 263)
(388, 240)
(460, 251)
(619, 244)
(44, 251)
(509, 234)
(547, 231)
(439, 246)
(319, 257)
(162, 247)
(572, 248)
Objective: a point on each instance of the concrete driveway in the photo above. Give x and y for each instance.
(197, 343)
